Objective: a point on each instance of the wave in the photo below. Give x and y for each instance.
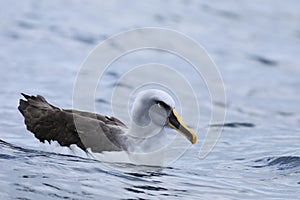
(234, 125)
(282, 162)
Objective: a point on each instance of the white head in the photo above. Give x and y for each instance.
(154, 109)
(152, 106)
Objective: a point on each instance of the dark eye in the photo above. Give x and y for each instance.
(163, 104)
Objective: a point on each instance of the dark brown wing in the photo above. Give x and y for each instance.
(105, 119)
(86, 130)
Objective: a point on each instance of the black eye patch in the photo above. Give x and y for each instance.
(164, 105)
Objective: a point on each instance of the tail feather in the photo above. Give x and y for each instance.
(22, 106)
(25, 95)
(35, 101)
(34, 108)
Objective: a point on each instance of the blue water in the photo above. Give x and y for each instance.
(256, 46)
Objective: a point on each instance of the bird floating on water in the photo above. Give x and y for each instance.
(152, 111)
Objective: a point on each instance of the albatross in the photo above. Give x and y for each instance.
(152, 112)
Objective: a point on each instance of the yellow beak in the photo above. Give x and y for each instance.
(176, 123)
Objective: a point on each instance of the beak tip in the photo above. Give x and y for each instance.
(194, 140)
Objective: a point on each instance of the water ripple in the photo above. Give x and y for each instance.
(282, 162)
(234, 125)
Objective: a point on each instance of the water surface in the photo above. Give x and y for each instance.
(255, 44)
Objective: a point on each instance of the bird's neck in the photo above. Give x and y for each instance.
(145, 139)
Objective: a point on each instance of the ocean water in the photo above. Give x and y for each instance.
(254, 44)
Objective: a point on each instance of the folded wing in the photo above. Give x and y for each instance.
(86, 130)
